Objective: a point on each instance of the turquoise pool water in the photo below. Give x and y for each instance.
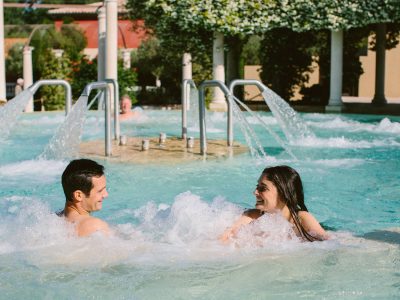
(167, 218)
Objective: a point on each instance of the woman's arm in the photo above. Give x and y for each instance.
(231, 231)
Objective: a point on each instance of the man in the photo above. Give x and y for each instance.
(126, 112)
(84, 185)
(19, 87)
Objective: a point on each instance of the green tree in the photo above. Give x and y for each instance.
(286, 59)
(70, 39)
(84, 71)
(53, 97)
(127, 80)
(189, 20)
(14, 63)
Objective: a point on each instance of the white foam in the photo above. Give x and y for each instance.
(30, 225)
(337, 122)
(387, 126)
(55, 119)
(343, 162)
(44, 171)
(185, 231)
(342, 142)
(384, 126)
(268, 231)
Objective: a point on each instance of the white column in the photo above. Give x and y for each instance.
(101, 17)
(126, 58)
(218, 102)
(186, 66)
(111, 39)
(28, 74)
(111, 44)
(335, 95)
(2, 61)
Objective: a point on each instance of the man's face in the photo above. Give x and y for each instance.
(94, 201)
(126, 105)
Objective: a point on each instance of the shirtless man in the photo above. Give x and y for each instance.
(126, 109)
(84, 185)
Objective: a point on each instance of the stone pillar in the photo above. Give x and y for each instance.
(335, 95)
(101, 69)
(28, 74)
(218, 102)
(3, 90)
(111, 44)
(126, 58)
(379, 97)
(186, 66)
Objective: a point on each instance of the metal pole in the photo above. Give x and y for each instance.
(117, 130)
(184, 108)
(186, 85)
(228, 98)
(202, 122)
(107, 113)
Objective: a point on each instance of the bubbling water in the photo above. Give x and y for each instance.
(65, 142)
(291, 123)
(187, 230)
(9, 113)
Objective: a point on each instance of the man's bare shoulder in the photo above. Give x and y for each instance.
(90, 225)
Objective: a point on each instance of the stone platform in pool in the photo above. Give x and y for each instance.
(174, 150)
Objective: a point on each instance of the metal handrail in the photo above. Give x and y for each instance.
(186, 85)
(102, 85)
(202, 112)
(236, 82)
(68, 91)
(117, 130)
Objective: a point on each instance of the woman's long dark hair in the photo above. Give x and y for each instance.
(290, 189)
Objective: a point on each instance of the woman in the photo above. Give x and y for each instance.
(280, 190)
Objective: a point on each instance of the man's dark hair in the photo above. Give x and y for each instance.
(78, 176)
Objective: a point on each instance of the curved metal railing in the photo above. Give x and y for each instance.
(68, 91)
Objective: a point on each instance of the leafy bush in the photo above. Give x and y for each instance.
(14, 63)
(285, 59)
(53, 97)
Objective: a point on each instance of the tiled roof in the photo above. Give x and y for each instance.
(85, 9)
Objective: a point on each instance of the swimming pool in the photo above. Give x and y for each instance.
(167, 217)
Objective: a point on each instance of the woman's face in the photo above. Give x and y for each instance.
(267, 198)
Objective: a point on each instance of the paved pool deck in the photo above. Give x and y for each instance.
(174, 150)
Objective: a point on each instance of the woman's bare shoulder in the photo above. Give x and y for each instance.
(253, 213)
(311, 225)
